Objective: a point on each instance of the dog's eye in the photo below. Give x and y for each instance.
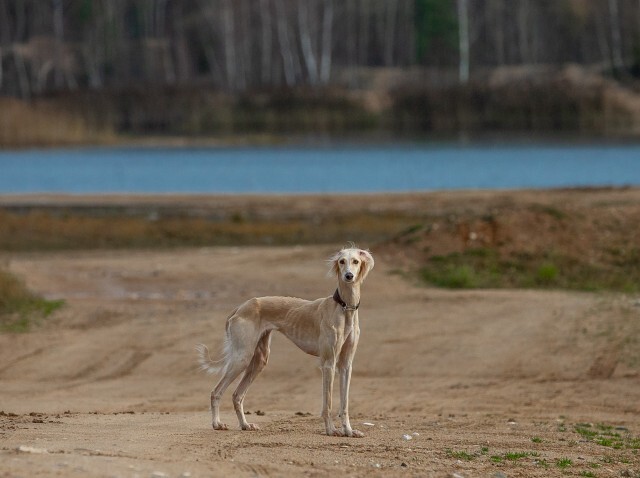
(342, 261)
(356, 261)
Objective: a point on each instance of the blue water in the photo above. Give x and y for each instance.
(346, 169)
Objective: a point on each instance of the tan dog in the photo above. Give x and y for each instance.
(326, 328)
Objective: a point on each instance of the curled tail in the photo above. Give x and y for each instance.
(206, 364)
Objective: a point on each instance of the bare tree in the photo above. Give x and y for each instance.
(616, 35)
(305, 41)
(524, 24)
(228, 24)
(363, 42)
(463, 40)
(58, 33)
(238, 44)
(285, 44)
(205, 36)
(352, 39)
(265, 21)
(327, 41)
(495, 12)
(390, 31)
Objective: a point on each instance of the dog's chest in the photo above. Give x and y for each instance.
(350, 321)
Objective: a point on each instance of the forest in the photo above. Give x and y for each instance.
(279, 52)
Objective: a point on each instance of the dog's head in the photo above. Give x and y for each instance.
(351, 264)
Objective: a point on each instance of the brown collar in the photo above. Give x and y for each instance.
(338, 299)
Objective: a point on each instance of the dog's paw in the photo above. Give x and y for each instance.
(251, 427)
(219, 426)
(335, 433)
(356, 434)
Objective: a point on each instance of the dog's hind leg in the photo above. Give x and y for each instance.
(240, 341)
(258, 362)
(231, 371)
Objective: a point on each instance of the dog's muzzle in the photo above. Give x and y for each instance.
(348, 277)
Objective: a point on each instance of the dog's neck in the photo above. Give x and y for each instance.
(349, 293)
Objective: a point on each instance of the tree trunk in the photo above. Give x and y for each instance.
(208, 47)
(305, 42)
(265, 63)
(285, 46)
(363, 42)
(179, 45)
(390, 31)
(23, 76)
(497, 12)
(524, 17)
(168, 65)
(352, 40)
(616, 36)
(463, 38)
(58, 32)
(228, 24)
(327, 41)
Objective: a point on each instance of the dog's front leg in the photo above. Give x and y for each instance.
(344, 370)
(328, 372)
(345, 379)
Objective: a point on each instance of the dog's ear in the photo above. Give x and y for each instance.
(367, 264)
(334, 268)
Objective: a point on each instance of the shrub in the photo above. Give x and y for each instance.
(19, 307)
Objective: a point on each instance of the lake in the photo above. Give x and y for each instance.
(336, 169)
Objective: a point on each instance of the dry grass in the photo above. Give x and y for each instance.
(45, 123)
(42, 229)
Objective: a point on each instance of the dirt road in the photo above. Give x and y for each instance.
(484, 383)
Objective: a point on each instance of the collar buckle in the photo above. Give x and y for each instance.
(345, 307)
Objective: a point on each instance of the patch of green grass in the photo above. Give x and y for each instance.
(510, 456)
(563, 463)
(19, 307)
(606, 435)
(461, 455)
(488, 268)
(453, 277)
(547, 274)
(588, 474)
(536, 440)
(516, 455)
(586, 430)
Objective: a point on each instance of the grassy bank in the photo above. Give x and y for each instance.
(569, 239)
(19, 307)
(45, 122)
(391, 102)
(487, 268)
(575, 240)
(156, 226)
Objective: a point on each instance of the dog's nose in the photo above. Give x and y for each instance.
(348, 276)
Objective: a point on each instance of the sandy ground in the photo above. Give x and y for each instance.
(485, 383)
